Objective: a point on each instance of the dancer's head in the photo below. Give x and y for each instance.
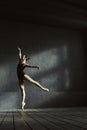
(25, 58)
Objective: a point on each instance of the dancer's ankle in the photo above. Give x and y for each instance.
(23, 104)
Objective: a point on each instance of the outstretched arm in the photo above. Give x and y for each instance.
(19, 53)
(31, 66)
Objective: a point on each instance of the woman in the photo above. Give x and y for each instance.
(22, 76)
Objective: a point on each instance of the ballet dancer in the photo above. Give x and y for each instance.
(22, 76)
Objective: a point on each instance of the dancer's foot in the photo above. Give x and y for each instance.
(23, 104)
(45, 89)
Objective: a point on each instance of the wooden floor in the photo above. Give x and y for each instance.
(44, 119)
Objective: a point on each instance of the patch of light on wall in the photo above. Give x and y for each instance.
(4, 76)
(67, 80)
(8, 100)
(50, 81)
(65, 51)
(46, 60)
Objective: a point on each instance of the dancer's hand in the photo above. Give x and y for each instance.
(19, 49)
(37, 67)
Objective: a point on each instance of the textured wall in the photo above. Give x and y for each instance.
(60, 55)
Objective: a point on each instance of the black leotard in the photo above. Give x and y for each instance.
(20, 73)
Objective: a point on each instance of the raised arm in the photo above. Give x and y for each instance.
(19, 53)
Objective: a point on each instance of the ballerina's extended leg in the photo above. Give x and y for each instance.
(29, 79)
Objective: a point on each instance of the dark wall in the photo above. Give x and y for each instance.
(60, 54)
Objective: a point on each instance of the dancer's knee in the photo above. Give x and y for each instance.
(22, 87)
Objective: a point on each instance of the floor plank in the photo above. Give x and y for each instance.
(2, 116)
(19, 122)
(7, 123)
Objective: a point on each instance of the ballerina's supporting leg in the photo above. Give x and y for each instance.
(23, 95)
(30, 80)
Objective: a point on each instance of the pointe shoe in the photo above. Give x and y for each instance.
(46, 89)
(23, 104)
